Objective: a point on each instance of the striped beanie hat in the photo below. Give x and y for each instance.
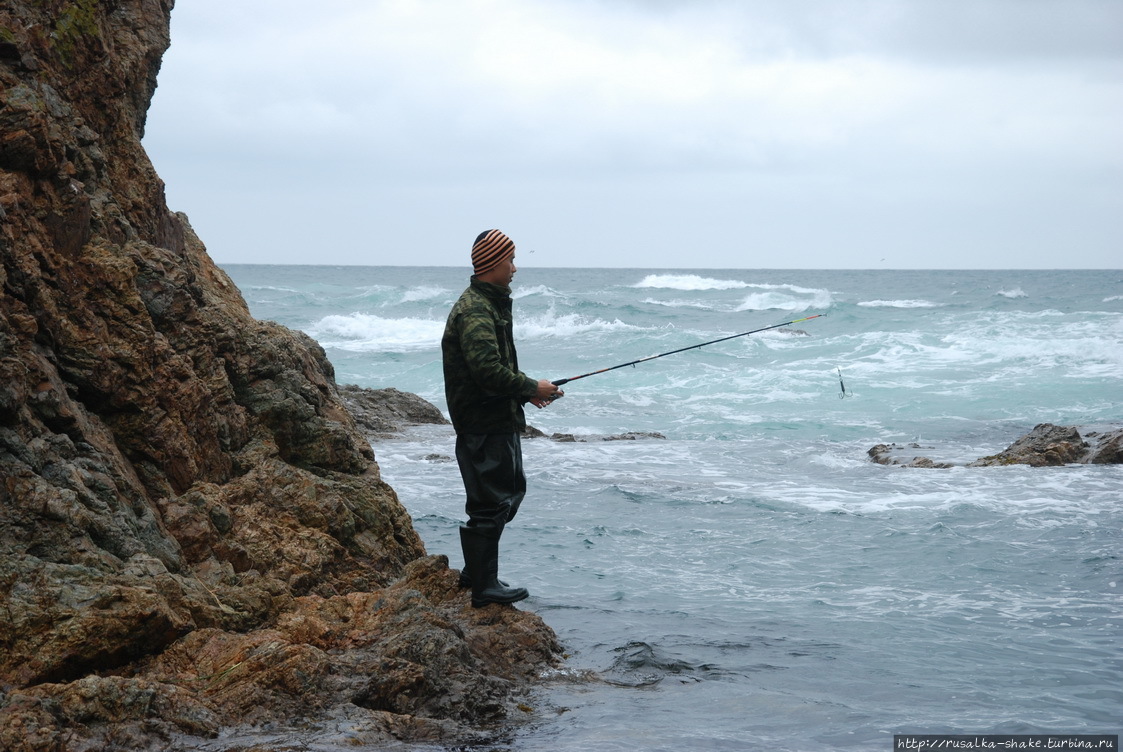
(490, 248)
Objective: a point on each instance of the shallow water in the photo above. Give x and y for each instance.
(752, 580)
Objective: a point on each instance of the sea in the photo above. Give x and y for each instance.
(724, 565)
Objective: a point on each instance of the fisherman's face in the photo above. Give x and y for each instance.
(502, 273)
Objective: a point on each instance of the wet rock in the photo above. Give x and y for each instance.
(903, 456)
(410, 661)
(569, 438)
(530, 432)
(1047, 445)
(180, 484)
(1107, 448)
(383, 412)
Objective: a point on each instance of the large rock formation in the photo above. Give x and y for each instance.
(1046, 445)
(193, 532)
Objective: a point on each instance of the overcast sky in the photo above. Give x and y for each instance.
(648, 133)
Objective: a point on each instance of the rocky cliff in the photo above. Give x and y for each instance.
(193, 532)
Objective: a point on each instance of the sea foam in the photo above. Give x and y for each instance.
(424, 292)
(363, 332)
(689, 282)
(786, 298)
(551, 325)
(898, 304)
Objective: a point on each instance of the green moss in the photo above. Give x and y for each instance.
(76, 22)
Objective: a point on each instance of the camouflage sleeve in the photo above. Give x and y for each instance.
(480, 345)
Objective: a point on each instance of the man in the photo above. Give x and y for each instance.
(485, 391)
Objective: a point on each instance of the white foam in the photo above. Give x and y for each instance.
(524, 292)
(551, 325)
(898, 304)
(424, 292)
(1017, 292)
(273, 289)
(785, 298)
(689, 282)
(678, 304)
(772, 296)
(363, 332)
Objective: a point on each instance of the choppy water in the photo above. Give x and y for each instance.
(753, 581)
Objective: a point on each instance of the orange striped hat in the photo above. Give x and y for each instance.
(490, 248)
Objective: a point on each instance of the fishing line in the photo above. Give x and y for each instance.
(559, 382)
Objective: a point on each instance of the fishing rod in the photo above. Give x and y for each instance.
(559, 382)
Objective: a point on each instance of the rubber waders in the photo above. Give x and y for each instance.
(481, 564)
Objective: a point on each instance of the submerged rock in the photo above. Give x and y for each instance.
(569, 438)
(896, 454)
(178, 481)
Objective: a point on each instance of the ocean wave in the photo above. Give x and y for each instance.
(1113, 298)
(689, 282)
(898, 304)
(524, 292)
(363, 332)
(772, 296)
(677, 304)
(424, 292)
(1017, 292)
(552, 325)
(1076, 351)
(785, 298)
(273, 288)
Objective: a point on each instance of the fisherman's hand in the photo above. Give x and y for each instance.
(546, 394)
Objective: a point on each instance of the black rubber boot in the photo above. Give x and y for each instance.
(481, 564)
(466, 581)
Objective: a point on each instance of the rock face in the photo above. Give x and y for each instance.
(1046, 445)
(193, 531)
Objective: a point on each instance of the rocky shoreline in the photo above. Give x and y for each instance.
(195, 540)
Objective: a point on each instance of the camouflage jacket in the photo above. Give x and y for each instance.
(484, 387)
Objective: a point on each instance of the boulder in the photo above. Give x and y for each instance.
(1047, 445)
(384, 412)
